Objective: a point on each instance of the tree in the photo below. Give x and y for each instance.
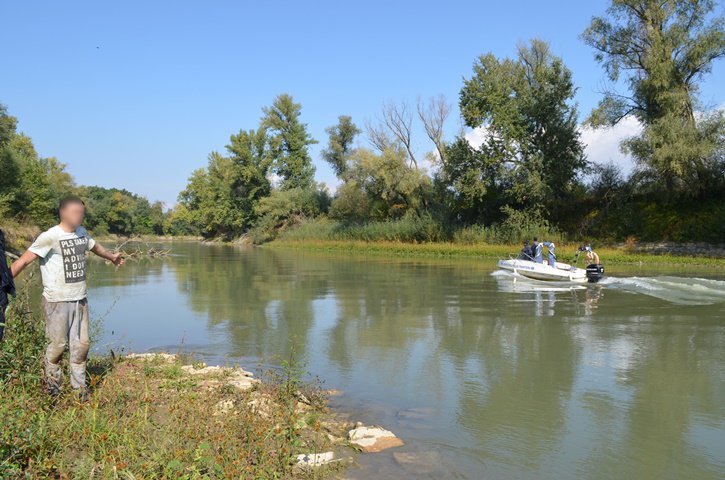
(120, 212)
(661, 51)
(289, 143)
(524, 108)
(390, 185)
(396, 127)
(223, 198)
(340, 144)
(471, 184)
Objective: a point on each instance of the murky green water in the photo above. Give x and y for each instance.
(499, 379)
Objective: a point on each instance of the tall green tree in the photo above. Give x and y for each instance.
(524, 108)
(223, 197)
(340, 144)
(661, 50)
(289, 143)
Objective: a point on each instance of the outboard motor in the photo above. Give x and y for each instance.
(595, 272)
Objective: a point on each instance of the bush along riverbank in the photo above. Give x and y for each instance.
(160, 415)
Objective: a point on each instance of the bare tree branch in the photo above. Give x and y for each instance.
(378, 136)
(434, 115)
(399, 121)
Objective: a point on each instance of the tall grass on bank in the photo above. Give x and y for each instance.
(418, 229)
(150, 419)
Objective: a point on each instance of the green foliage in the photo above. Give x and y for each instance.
(661, 50)
(516, 227)
(222, 199)
(532, 155)
(180, 222)
(120, 212)
(411, 228)
(339, 146)
(286, 208)
(468, 184)
(380, 187)
(289, 143)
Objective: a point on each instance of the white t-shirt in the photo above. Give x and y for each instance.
(63, 263)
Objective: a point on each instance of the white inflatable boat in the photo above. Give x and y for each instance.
(561, 272)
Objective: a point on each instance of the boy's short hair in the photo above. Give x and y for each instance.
(65, 201)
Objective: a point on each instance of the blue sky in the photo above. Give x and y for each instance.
(136, 94)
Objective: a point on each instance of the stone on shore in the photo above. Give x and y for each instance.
(235, 377)
(373, 439)
(315, 459)
(166, 357)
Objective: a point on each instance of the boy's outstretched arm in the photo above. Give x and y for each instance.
(19, 265)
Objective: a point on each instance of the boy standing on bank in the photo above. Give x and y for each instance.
(62, 251)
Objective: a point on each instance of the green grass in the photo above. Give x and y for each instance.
(485, 251)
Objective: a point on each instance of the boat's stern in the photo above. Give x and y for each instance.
(595, 272)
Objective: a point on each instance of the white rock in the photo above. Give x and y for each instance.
(373, 439)
(167, 357)
(243, 383)
(315, 459)
(215, 370)
(192, 370)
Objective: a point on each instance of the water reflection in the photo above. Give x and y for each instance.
(515, 381)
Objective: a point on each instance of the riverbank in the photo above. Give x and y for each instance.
(153, 416)
(159, 415)
(616, 255)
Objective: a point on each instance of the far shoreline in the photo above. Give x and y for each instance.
(610, 254)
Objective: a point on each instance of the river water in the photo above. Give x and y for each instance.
(481, 376)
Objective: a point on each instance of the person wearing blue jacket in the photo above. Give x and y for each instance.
(552, 256)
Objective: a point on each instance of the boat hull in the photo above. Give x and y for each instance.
(562, 272)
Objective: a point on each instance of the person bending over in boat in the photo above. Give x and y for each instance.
(591, 255)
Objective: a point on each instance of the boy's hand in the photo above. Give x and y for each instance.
(116, 259)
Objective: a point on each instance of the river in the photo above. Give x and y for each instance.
(484, 376)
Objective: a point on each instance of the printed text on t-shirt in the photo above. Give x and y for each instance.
(74, 259)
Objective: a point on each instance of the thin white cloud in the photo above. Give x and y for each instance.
(602, 144)
(476, 136)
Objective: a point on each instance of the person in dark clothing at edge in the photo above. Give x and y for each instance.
(7, 285)
(527, 253)
(62, 252)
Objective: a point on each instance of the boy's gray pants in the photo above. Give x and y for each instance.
(66, 323)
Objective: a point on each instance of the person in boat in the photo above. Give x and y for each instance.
(591, 256)
(527, 253)
(552, 255)
(537, 251)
